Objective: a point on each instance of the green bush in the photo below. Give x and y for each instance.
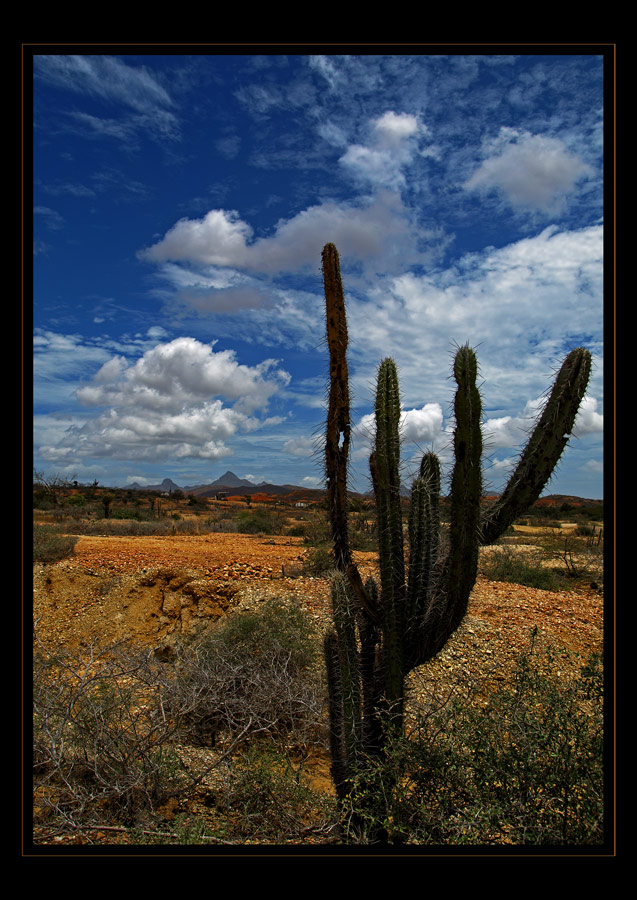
(258, 521)
(125, 514)
(255, 672)
(50, 546)
(266, 800)
(505, 564)
(520, 763)
(319, 560)
(101, 752)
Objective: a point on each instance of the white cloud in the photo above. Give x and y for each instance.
(377, 229)
(103, 76)
(513, 431)
(532, 171)
(519, 306)
(52, 219)
(392, 128)
(417, 426)
(179, 372)
(588, 420)
(300, 446)
(389, 151)
(172, 403)
(105, 128)
(421, 426)
(219, 239)
(333, 134)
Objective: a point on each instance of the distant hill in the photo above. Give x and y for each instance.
(166, 486)
(229, 483)
(232, 485)
(230, 480)
(559, 499)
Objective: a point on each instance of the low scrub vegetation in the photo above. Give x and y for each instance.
(518, 762)
(552, 559)
(256, 673)
(224, 732)
(222, 735)
(50, 545)
(113, 727)
(503, 563)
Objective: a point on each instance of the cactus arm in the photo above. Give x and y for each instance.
(386, 465)
(345, 626)
(371, 671)
(424, 532)
(544, 448)
(339, 766)
(466, 480)
(452, 584)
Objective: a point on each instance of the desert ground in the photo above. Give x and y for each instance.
(154, 590)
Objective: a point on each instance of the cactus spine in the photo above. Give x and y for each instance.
(378, 638)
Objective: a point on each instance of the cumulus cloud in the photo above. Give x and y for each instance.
(182, 371)
(588, 420)
(505, 431)
(423, 425)
(377, 229)
(180, 400)
(218, 239)
(513, 431)
(531, 171)
(417, 426)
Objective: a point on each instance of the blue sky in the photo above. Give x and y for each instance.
(181, 203)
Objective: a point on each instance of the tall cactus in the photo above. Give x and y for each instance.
(380, 636)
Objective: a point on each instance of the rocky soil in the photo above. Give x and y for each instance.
(152, 590)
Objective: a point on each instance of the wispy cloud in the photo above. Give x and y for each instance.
(391, 147)
(132, 88)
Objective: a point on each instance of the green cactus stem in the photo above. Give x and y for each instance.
(390, 530)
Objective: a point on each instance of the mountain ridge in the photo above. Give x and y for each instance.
(228, 482)
(231, 484)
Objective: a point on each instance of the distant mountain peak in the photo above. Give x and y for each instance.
(231, 480)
